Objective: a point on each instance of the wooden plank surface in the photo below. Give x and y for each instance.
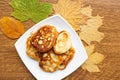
(12, 68)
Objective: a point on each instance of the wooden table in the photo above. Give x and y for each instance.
(12, 68)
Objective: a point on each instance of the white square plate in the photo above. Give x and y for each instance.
(33, 66)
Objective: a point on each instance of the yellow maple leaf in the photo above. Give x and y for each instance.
(92, 61)
(95, 22)
(95, 58)
(87, 11)
(70, 10)
(89, 49)
(89, 32)
(91, 67)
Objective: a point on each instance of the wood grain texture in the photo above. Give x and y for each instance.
(12, 68)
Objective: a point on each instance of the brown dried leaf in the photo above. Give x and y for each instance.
(11, 28)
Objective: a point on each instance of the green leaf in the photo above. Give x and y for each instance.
(30, 9)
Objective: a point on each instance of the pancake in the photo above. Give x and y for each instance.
(44, 39)
(63, 43)
(53, 50)
(66, 58)
(31, 51)
(50, 61)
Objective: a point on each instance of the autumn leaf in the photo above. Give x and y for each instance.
(95, 58)
(70, 10)
(11, 28)
(92, 61)
(31, 9)
(86, 11)
(89, 32)
(91, 67)
(89, 49)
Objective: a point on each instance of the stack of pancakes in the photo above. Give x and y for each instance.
(51, 48)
